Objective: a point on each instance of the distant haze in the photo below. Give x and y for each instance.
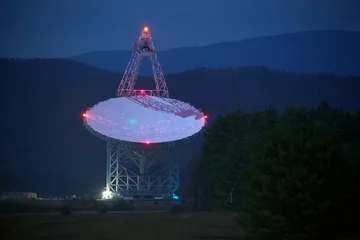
(65, 28)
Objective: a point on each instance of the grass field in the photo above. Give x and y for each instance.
(124, 226)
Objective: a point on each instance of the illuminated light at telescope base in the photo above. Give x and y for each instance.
(107, 195)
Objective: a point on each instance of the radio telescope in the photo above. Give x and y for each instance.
(140, 126)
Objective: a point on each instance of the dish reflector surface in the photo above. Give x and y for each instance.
(145, 119)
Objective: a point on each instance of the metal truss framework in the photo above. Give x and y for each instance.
(143, 48)
(136, 169)
(138, 183)
(167, 105)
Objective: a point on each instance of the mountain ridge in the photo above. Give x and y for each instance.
(324, 51)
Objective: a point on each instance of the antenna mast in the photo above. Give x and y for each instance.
(143, 48)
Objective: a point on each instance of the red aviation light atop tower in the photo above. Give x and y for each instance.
(143, 48)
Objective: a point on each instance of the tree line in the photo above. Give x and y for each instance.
(292, 175)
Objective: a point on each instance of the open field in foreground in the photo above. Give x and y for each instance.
(125, 226)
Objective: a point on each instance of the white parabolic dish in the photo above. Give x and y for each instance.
(144, 119)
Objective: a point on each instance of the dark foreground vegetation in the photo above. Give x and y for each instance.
(289, 176)
(63, 207)
(21, 207)
(132, 226)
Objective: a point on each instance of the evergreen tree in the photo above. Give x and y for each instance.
(297, 171)
(291, 185)
(227, 149)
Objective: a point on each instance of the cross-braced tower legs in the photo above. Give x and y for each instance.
(130, 171)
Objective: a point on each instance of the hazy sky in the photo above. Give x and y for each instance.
(61, 28)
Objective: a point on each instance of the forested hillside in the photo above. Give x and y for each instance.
(42, 102)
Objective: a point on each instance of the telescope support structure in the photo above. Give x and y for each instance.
(129, 170)
(141, 173)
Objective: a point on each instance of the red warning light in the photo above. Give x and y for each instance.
(205, 116)
(84, 115)
(147, 142)
(142, 91)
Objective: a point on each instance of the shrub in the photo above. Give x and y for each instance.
(122, 205)
(13, 206)
(65, 210)
(102, 208)
(180, 208)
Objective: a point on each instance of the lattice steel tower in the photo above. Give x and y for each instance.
(143, 48)
(122, 178)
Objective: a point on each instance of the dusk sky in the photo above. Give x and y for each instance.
(50, 28)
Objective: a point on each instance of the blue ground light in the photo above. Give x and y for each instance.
(175, 197)
(132, 121)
